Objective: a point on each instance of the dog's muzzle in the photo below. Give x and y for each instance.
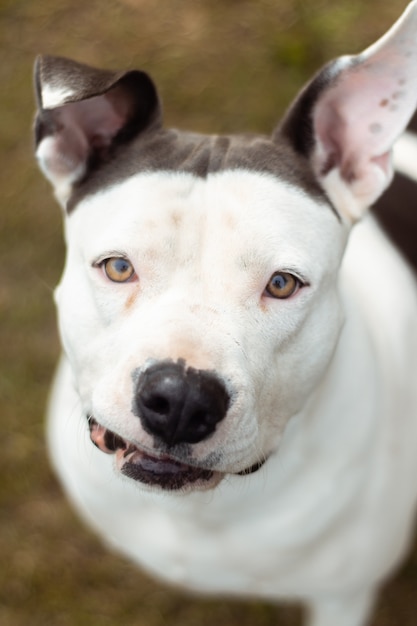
(177, 406)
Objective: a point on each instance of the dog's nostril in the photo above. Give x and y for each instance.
(180, 404)
(157, 404)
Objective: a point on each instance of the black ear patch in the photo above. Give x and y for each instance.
(84, 114)
(297, 125)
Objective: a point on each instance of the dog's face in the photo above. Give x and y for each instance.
(199, 305)
(169, 273)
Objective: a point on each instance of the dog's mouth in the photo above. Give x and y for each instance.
(151, 469)
(155, 470)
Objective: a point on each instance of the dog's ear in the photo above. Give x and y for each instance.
(348, 117)
(84, 113)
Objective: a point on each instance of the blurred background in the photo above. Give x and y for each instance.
(221, 65)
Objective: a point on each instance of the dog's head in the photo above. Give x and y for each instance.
(199, 306)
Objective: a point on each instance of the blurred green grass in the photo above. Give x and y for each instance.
(221, 65)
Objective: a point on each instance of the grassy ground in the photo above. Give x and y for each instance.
(221, 65)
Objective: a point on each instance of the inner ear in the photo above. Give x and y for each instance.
(84, 114)
(345, 122)
(135, 101)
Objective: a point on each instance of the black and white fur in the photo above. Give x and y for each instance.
(239, 334)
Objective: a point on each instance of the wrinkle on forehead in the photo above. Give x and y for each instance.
(200, 155)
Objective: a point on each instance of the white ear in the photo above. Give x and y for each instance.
(358, 106)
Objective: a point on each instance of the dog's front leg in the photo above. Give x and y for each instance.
(350, 609)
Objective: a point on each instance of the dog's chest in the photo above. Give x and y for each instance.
(288, 545)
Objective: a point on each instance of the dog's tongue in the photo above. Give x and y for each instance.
(161, 471)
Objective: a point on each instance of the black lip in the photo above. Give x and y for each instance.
(163, 472)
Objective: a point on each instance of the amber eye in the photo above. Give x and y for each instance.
(282, 285)
(118, 269)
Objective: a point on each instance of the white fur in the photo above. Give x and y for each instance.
(321, 383)
(54, 96)
(63, 174)
(405, 155)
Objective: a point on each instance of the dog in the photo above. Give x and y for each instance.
(239, 334)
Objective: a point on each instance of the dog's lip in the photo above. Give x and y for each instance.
(152, 469)
(155, 469)
(163, 471)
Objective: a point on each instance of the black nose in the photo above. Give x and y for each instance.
(179, 404)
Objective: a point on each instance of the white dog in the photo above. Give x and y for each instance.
(249, 377)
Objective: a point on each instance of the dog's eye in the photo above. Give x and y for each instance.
(118, 269)
(282, 285)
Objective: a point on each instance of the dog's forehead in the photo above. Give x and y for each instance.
(169, 150)
(229, 213)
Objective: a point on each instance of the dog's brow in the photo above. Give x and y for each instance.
(201, 156)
